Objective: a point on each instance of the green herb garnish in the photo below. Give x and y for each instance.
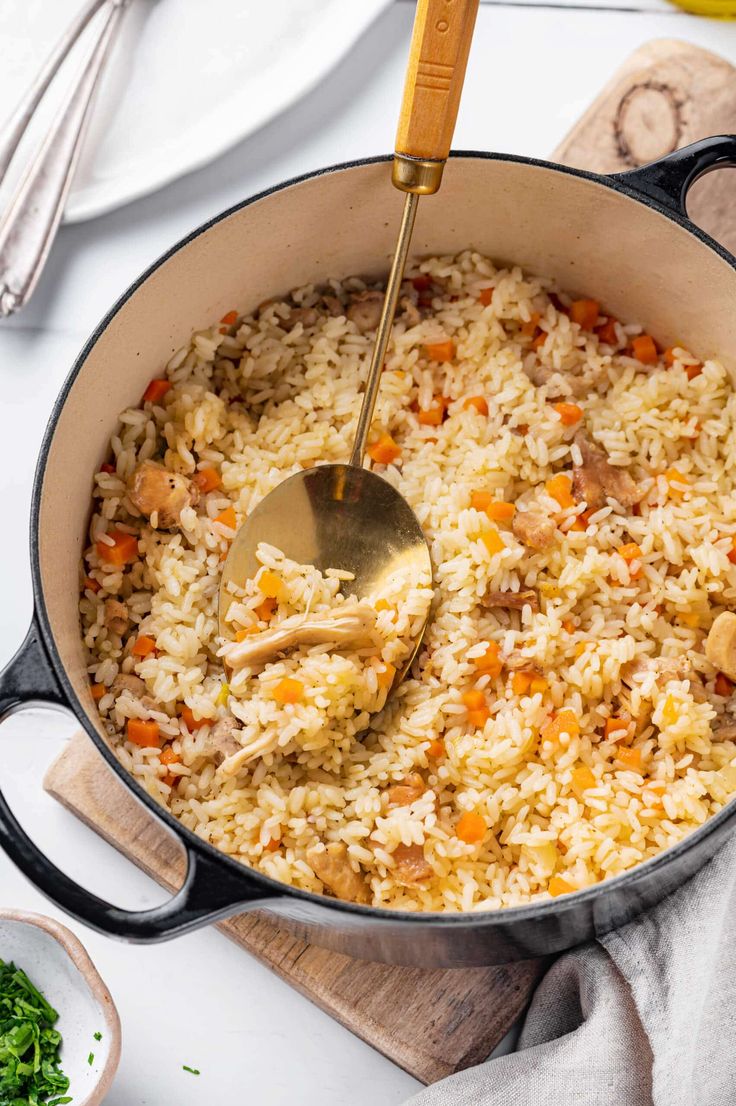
(91, 1059)
(29, 1044)
(193, 1071)
(97, 1036)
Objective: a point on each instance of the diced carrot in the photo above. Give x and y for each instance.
(569, 413)
(585, 313)
(693, 370)
(521, 682)
(644, 349)
(440, 351)
(143, 646)
(98, 690)
(123, 552)
(384, 451)
(207, 480)
(559, 886)
(630, 758)
(539, 340)
(614, 729)
(485, 296)
(433, 415)
(271, 585)
(89, 584)
(470, 827)
(490, 663)
(386, 676)
(630, 553)
(731, 555)
(723, 686)
(156, 390)
(492, 541)
(689, 618)
(481, 500)
(145, 734)
(288, 690)
(677, 482)
(107, 467)
(607, 332)
(669, 357)
(582, 779)
(478, 402)
(474, 699)
(528, 328)
(560, 488)
(499, 511)
(227, 518)
(538, 684)
(168, 756)
(422, 282)
(478, 718)
(241, 635)
(273, 844)
(192, 723)
(230, 318)
(568, 626)
(564, 722)
(436, 749)
(264, 611)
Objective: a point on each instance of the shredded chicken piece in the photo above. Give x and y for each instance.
(154, 488)
(406, 791)
(365, 310)
(116, 616)
(534, 528)
(410, 311)
(349, 626)
(333, 867)
(126, 681)
(512, 600)
(597, 478)
(307, 316)
(578, 386)
(333, 305)
(517, 662)
(222, 742)
(664, 668)
(720, 645)
(411, 865)
(726, 732)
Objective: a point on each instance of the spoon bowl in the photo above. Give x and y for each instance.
(332, 516)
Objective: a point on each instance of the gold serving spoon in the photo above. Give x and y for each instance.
(345, 516)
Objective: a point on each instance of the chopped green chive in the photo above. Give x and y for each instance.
(91, 1059)
(30, 1069)
(193, 1071)
(97, 1036)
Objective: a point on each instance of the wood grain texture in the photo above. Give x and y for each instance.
(431, 1023)
(667, 94)
(438, 57)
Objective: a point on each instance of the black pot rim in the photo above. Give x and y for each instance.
(273, 890)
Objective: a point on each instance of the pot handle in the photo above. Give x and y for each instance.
(209, 891)
(669, 179)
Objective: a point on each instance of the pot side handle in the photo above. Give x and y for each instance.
(669, 179)
(208, 893)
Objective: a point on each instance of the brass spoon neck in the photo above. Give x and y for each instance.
(383, 332)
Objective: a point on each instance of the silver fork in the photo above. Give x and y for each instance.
(29, 223)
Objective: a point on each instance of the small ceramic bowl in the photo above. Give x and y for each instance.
(57, 963)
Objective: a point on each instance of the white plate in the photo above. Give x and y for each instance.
(188, 79)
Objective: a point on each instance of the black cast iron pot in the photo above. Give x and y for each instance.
(624, 239)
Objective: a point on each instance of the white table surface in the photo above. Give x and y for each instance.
(198, 1000)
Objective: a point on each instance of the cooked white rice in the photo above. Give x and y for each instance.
(277, 391)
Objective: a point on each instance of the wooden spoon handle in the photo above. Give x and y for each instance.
(443, 30)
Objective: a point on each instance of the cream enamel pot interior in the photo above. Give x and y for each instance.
(626, 240)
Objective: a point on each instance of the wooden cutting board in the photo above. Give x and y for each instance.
(433, 1023)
